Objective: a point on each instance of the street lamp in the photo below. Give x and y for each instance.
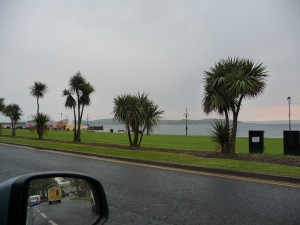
(186, 126)
(289, 101)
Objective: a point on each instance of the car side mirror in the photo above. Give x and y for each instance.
(53, 198)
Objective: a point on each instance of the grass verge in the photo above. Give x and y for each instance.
(273, 146)
(236, 165)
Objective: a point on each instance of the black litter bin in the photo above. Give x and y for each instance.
(111, 130)
(291, 142)
(256, 141)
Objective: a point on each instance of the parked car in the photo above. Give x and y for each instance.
(33, 201)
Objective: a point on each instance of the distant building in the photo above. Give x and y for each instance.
(71, 127)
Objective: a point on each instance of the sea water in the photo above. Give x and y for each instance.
(270, 130)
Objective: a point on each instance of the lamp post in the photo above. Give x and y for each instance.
(289, 101)
(186, 126)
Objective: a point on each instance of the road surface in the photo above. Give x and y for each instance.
(144, 195)
(74, 212)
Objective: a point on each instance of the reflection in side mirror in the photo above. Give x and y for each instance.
(53, 198)
(60, 200)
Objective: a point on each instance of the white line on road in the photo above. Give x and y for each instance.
(52, 222)
(43, 215)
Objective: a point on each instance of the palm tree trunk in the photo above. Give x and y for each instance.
(136, 135)
(136, 138)
(141, 138)
(75, 124)
(38, 105)
(13, 129)
(80, 119)
(78, 122)
(129, 135)
(227, 147)
(233, 132)
(227, 118)
(38, 126)
(235, 114)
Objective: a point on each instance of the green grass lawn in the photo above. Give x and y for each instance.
(230, 164)
(273, 146)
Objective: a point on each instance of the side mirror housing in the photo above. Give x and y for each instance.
(24, 199)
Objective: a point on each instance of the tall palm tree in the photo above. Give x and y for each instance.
(247, 80)
(227, 84)
(86, 90)
(70, 102)
(215, 99)
(14, 112)
(38, 90)
(78, 95)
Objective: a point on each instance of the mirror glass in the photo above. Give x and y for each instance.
(61, 201)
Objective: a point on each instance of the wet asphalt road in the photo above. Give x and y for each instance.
(142, 195)
(73, 212)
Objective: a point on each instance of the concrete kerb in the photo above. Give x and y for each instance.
(174, 165)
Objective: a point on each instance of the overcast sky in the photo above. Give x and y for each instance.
(160, 47)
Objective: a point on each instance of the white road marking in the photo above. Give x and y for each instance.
(52, 222)
(44, 215)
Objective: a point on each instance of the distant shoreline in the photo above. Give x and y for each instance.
(110, 121)
(270, 130)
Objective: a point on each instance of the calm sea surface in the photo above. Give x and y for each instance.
(271, 130)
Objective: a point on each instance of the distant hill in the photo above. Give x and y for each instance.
(110, 121)
(274, 122)
(183, 121)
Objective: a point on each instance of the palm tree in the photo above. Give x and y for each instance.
(78, 95)
(221, 134)
(41, 121)
(152, 116)
(70, 102)
(126, 111)
(86, 90)
(249, 81)
(138, 113)
(14, 112)
(215, 99)
(228, 83)
(38, 90)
